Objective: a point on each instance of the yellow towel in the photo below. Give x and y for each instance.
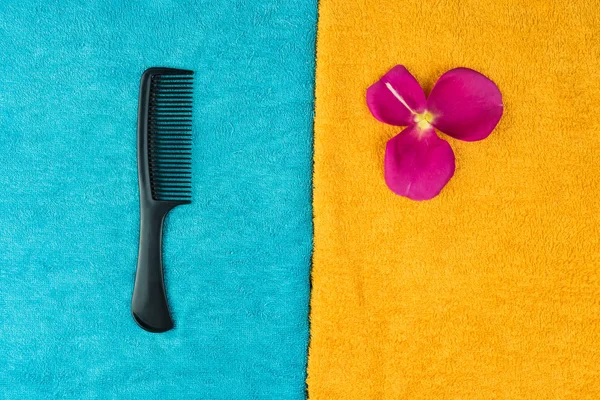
(492, 289)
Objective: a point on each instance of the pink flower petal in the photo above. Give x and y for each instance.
(465, 104)
(418, 164)
(396, 97)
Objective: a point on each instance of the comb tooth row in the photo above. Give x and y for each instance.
(170, 137)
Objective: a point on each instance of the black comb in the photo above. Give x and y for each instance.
(165, 179)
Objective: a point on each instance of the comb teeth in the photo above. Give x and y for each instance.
(170, 137)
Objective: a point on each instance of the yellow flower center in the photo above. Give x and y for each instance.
(424, 120)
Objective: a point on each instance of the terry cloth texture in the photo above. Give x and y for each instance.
(237, 259)
(492, 289)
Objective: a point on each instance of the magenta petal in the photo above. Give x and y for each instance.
(396, 97)
(465, 104)
(418, 164)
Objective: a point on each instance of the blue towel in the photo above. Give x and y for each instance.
(236, 260)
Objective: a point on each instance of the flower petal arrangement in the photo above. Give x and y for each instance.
(463, 104)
